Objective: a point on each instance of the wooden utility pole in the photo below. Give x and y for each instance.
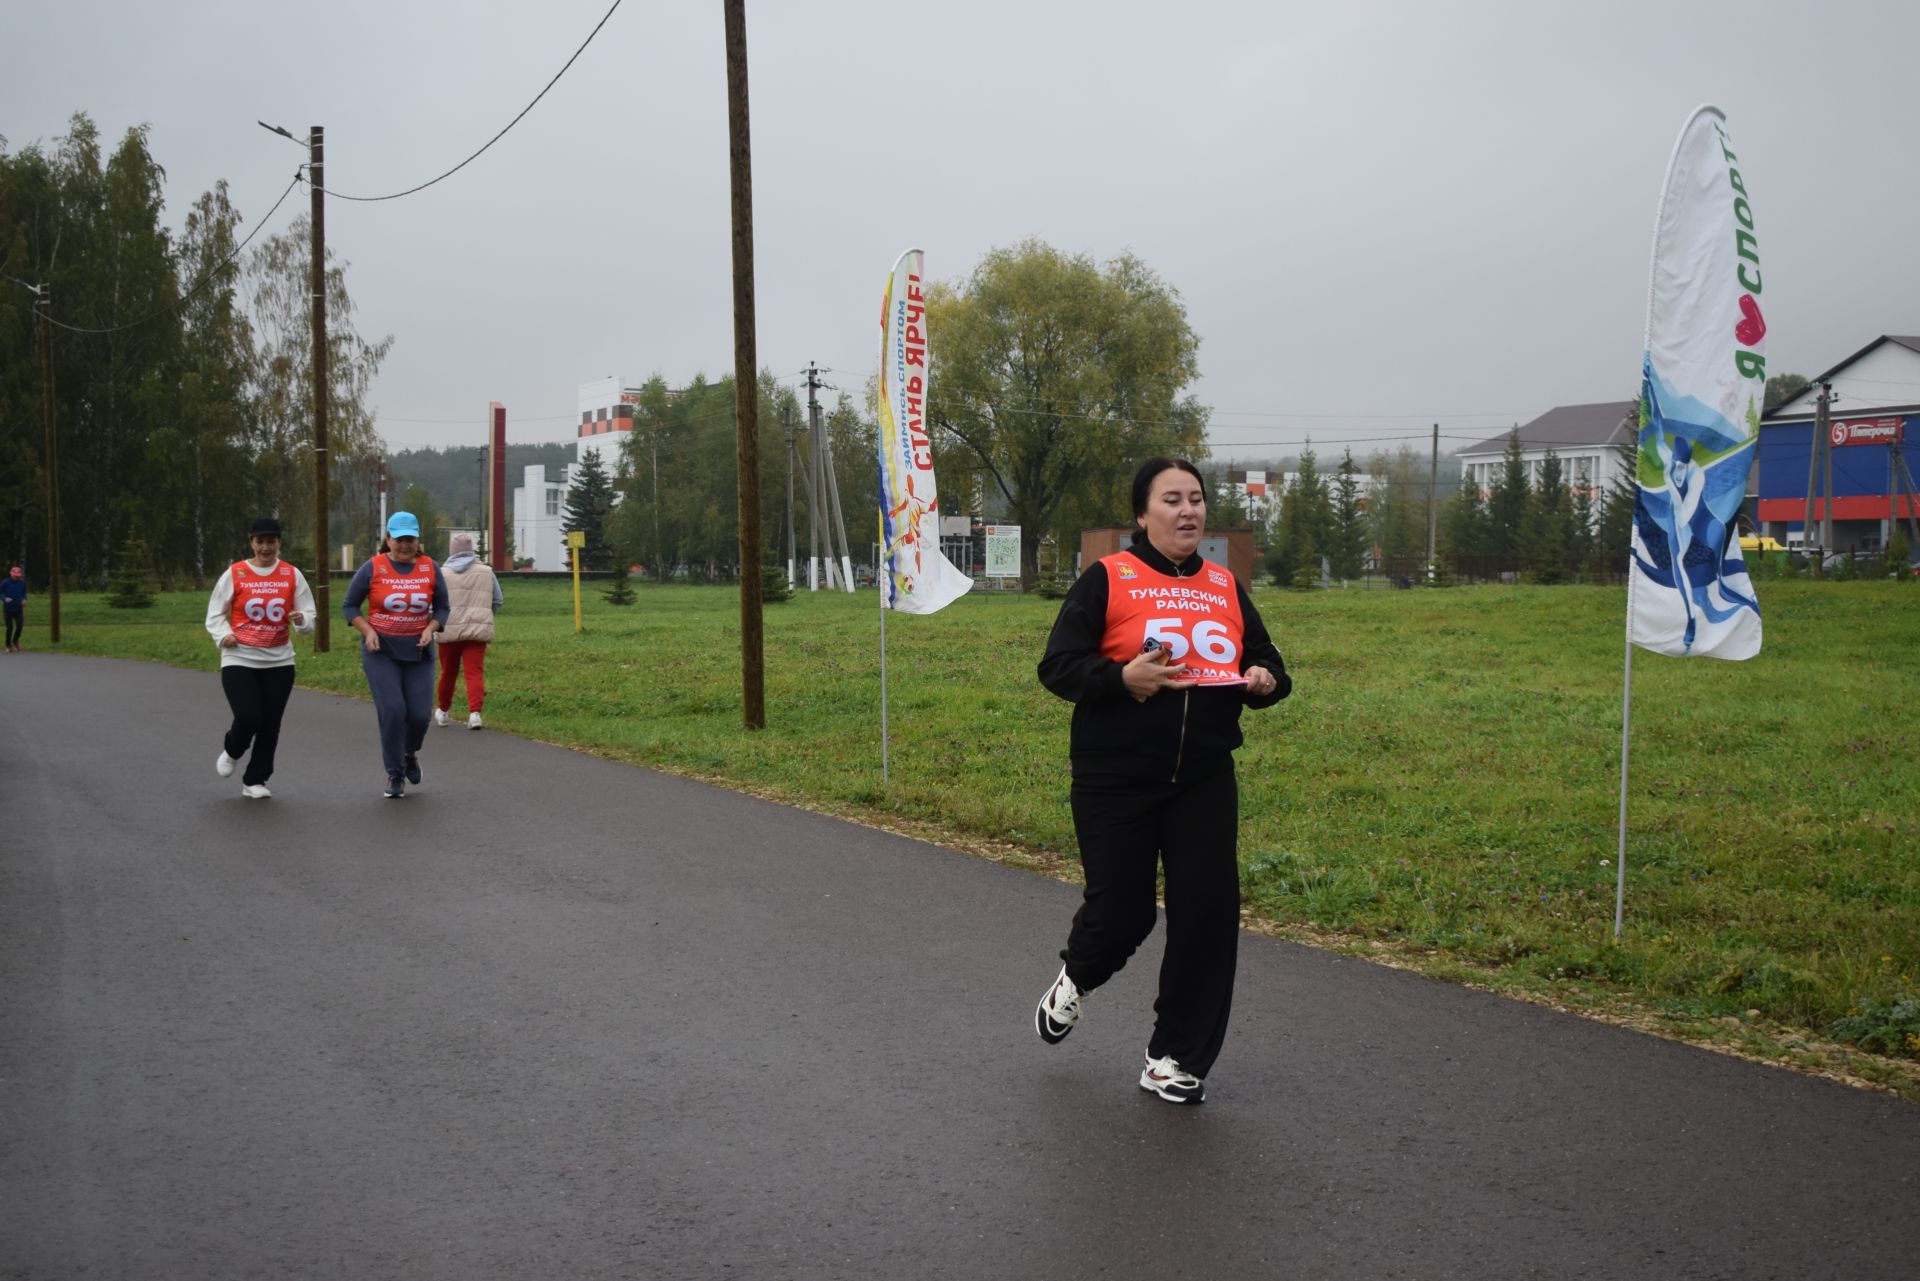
(53, 463)
(746, 386)
(322, 531)
(1433, 510)
(1807, 535)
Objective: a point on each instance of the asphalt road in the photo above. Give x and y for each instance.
(553, 1017)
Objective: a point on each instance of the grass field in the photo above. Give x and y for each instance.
(1441, 790)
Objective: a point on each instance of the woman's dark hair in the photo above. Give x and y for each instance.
(1143, 479)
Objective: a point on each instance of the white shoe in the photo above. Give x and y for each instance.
(255, 792)
(439, 717)
(473, 721)
(1059, 1010)
(223, 764)
(1171, 1082)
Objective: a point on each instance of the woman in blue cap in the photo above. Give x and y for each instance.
(398, 602)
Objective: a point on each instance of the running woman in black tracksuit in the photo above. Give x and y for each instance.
(1158, 650)
(255, 607)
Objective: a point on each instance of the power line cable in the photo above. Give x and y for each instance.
(340, 195)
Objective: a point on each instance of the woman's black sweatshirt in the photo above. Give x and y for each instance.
(1175, 736)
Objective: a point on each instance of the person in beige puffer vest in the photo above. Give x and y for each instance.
(474, 593)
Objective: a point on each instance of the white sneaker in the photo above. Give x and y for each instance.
(439, 716)
(255, 792)
(223, 764)
(1171, 1082)
(473, 721)
(1059, 1010)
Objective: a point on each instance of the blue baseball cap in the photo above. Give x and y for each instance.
(403, 525)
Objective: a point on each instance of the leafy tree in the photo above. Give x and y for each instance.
(1347, 538)
(589, 503)
(1780, 389)
(1397, 511)
(277, 279)
(417, 500)
(1058, 376)
(196, 458)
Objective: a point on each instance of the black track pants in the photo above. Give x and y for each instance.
(258, 697)
(1128, 829)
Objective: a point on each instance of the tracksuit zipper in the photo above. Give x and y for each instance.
(1180, 749)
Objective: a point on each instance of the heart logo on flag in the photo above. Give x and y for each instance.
(1752, 327)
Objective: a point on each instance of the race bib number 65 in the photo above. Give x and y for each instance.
(407, 603)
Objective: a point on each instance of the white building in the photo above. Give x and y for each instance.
(1585, 437)
(539, 504)
(606, 419)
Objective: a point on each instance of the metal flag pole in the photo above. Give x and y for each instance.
(1626, 721)
(886, 584)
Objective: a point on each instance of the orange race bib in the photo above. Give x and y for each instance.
(400, 604)
(1196, 620)
(261, 603)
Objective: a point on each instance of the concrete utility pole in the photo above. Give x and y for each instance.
(1433, 510)
(824, 445)
(787, 416)
(746, 387)
(53, 462)
(322, 531)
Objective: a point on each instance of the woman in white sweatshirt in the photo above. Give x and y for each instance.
(255, 606)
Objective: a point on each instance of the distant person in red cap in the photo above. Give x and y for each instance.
(13, 595)
(397, 601)
(473, 598)
(255, 606)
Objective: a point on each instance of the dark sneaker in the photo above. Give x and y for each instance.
(1059, 1010)
(413, 769)
(1171, 1082)
(396, 787)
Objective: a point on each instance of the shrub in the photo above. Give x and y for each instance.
(1889, 1027)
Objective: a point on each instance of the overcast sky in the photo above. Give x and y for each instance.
(1380, 215)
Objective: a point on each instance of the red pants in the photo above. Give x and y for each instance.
(456, 657)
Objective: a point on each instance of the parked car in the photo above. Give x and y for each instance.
(1749, 543)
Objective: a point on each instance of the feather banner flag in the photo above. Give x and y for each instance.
(1703, 383)
(918, 578)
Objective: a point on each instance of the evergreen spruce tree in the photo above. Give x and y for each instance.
(620, 590)
(1348, 544)
(589, 502)
(132, 585)
(1544, 526)
(1507, 502)
(1580, 531)
(1463, 532)
(1613, 537)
